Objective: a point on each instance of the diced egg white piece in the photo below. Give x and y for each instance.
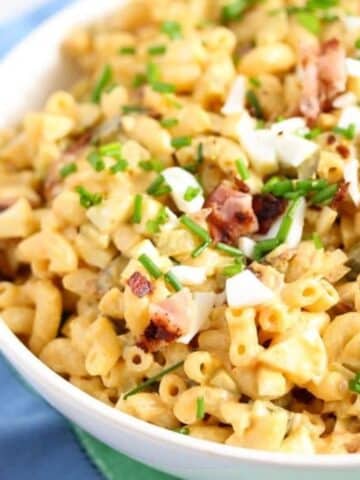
(246, 290)
(245, 124)
(350, 115)
(351, 175)
(145, 247)
(353, 67)
(203, 304)
(272, 232)
(247, 246)
(293, 150)
(260, 147)
(352, 22)
(290, 125)
(172, 222)
(345, 100)
(296, 230)
(189, 275)
(179, 180)
(235, 101)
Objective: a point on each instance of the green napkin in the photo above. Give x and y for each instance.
(113, 465)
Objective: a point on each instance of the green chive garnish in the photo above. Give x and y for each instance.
(151, 165)
(68, 169)
(110, 149)
(195, 228)
(172, 29)
(96, 161)
(127, 50)
(157, 50)
(242, 169)
(317, 241)
(102, 83)
(255, 82)
(150, 266)
(254, 103)
(200, 408)
(313, 133)
(162, 87)
(180, 142)
(171, 279)
(132, 109)
(120, 166)
(153, 226)
(237, 267)
(88, 199)
(287, 222)
(182, 430)
(354, 383)
(324, 195)
(264, 247)
(137, 215)
(150, 381)
(357, 43)
(199, 250)
(229, 249)
(233, 10)
(169, 122)
(152, 73)
(139, 80)
(158, 187)
(309, 20)
(191, 193)
(348, 132)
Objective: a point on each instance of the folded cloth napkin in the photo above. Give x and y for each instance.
(36, 443)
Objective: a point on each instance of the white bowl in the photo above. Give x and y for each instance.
(27, 75)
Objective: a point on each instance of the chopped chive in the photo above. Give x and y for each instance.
(287, 222)
(153, 226)
(321, 4)
(150, 381)
(169, 122)
(150, 266)
(255, 82)
(195, 228)
(264, 247)
(357, 43)
(101, 84)
(233, 269)
(260, 123)
(152, 165)
(157, 50)
(199, 250)
(233, 11)
(349, 132)
(88, 199)
(182, 430)
(171, 279)
(200, 408)
(162, 87)
(137, 215)
(278, 186)
(127, 50)
(294, 195)
(191, 193)
(354, 383)
(317, 241)
(313, 133)
(324, 195)
(139, 80)
(180, 142)
(68, 169)
(254, 103)
(110, 149)
(309, 20)
(242, 169)
(152, 73)
(120, 166)
(172, 29)
(132, 109)
(163, 190)
(229, 249)
(96, 161)
(158, 187)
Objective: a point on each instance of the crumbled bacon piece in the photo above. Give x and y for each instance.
(80, 142)
(140, 285)
(340, 196)
(158, 333)
(323, 77)
(343, 150)
(267, 209)
(232, 214)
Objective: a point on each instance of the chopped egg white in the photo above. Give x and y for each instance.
(353, 67)
(349, 116)
(290, 125)
(179, 180)
(235, 101)
(352, 22)
(203, 304)
(172, 221)
(189, 275)
(345, 100)
(293, 150)
(351, 175)
(246, 290)
(247, 246)
(260, 147)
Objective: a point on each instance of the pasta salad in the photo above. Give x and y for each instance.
(180, 230)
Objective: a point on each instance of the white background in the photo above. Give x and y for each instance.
(11, 8)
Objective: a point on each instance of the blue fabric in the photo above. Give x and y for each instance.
(36, 443)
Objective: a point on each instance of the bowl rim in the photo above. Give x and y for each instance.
(17, 353)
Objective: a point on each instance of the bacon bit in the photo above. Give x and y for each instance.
(79, 143)
(340, 196)
(140, 285)
(341, 308)
(331, 139)
(232, 214)
(242, 186)
(158, 333)
(323, 76)
(267, 208)
(343, 150)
